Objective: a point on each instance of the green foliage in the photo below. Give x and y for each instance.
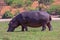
(9, 2)
(7, 14)
(18, 3)
(28, 2)
(54, 8)
(58, 11)
(46, 2)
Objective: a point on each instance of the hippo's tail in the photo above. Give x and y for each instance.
(50, 18)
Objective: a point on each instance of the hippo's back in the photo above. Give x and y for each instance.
(35, 15)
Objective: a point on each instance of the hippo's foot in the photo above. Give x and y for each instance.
(50, 29)
(42, 30)
(24, 28)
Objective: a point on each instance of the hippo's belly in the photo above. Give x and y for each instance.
(33, 24)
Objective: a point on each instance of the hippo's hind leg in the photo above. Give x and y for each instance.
(43, 27)
(24, 27)
(49, 26)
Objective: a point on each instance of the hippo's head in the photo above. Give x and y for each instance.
(12, 25)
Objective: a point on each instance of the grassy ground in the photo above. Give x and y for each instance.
(31, 34)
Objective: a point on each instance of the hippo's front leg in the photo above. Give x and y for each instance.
(24, 27)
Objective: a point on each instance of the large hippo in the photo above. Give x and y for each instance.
(32, 19)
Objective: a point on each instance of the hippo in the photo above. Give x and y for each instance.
(32, 19)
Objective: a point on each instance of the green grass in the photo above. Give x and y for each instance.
(31, 34)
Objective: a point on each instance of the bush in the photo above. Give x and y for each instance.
(28, 2)
(54, 10)
(7, 14)
(8, 2)
(58, 11)
(18, 3)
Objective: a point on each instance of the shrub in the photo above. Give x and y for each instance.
(7, 14)
(28, 2)
(58, 11)
(18, 3)
(8, 2)
(54, 9)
